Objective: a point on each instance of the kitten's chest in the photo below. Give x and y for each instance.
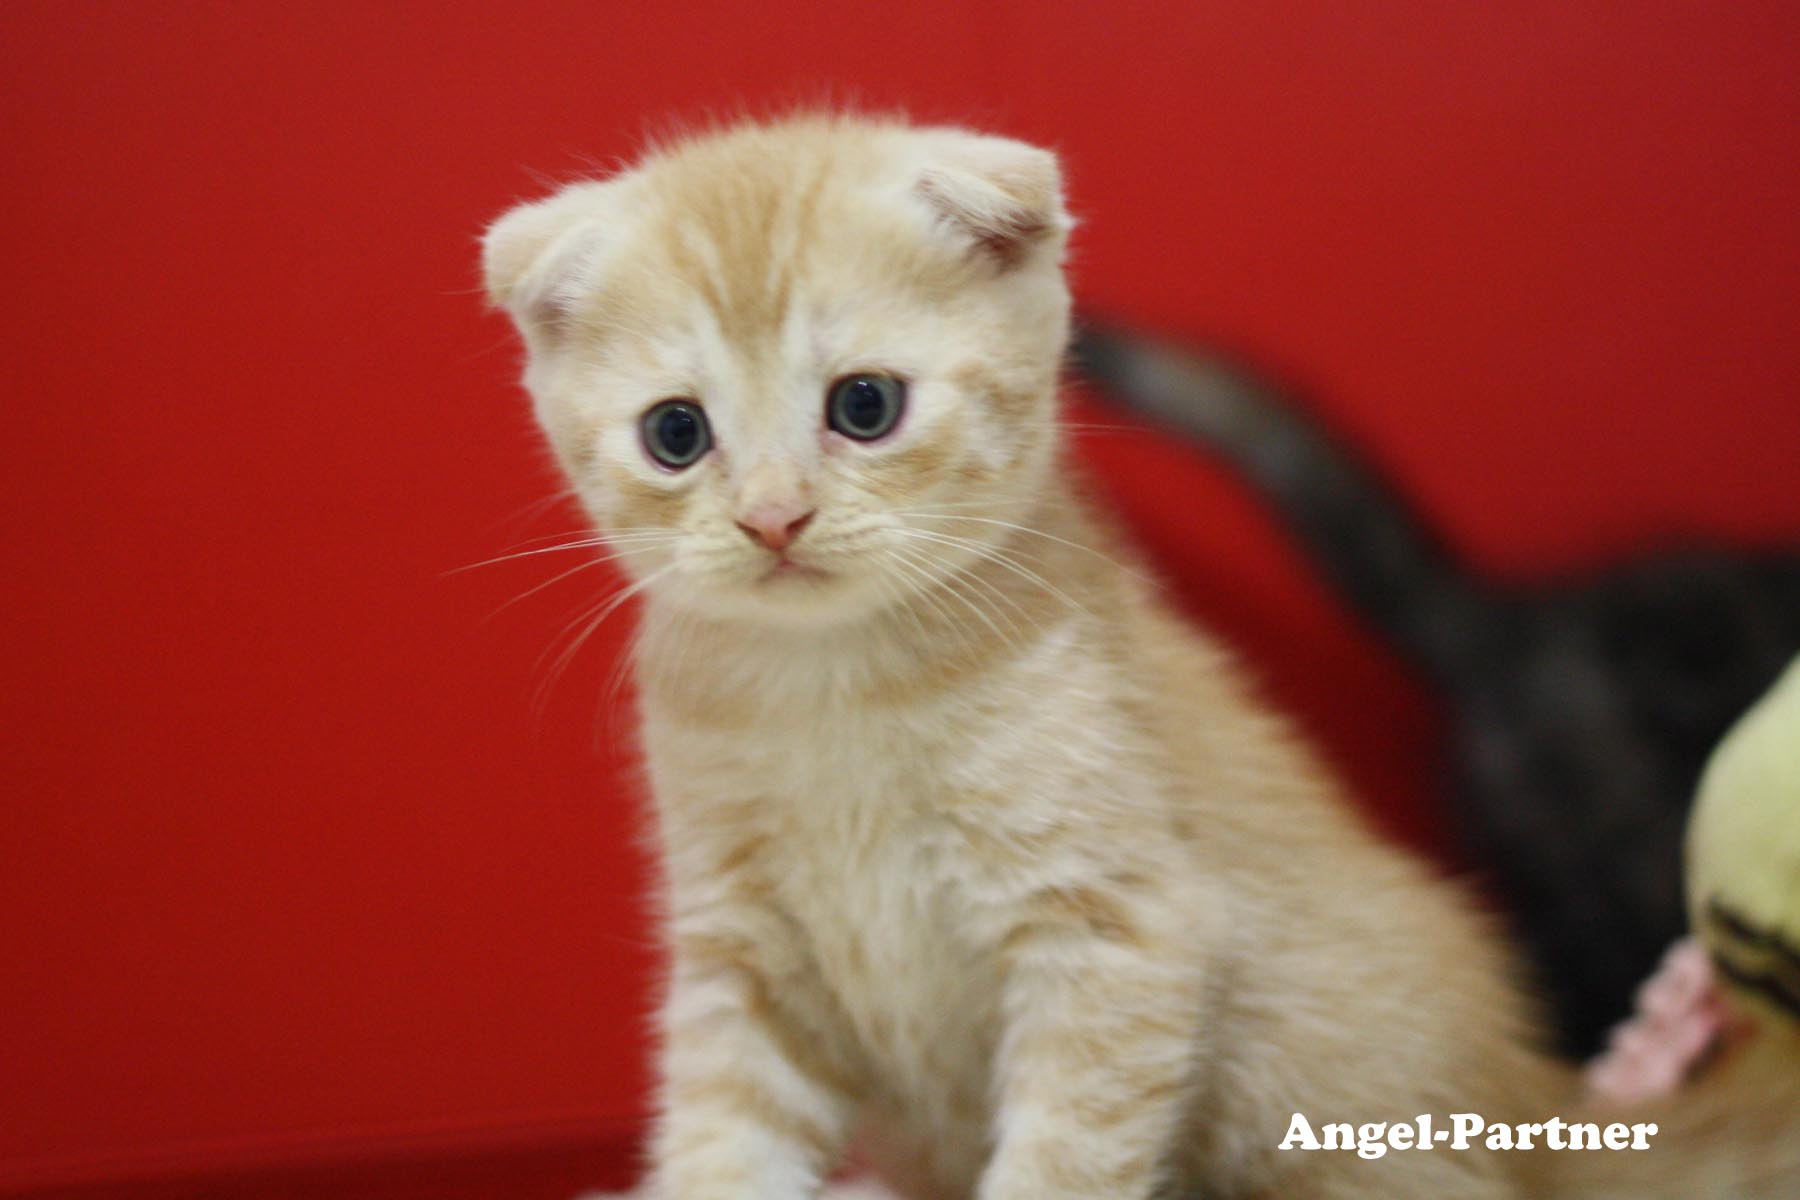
(887, 837)
(868, 852)
(893, 902)
(898, 937)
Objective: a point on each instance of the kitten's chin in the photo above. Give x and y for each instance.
(785, 595)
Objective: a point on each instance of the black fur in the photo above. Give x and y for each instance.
(1581, 711)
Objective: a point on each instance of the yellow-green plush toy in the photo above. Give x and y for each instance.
(1743, 959)
(1744, 855)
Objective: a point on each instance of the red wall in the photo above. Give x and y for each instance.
(287, 865)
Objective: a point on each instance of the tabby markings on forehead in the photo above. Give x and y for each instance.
(741, 247)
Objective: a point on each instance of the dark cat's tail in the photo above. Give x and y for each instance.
(1388, 564)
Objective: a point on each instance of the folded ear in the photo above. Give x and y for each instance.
(1004, 195)
(537, 257)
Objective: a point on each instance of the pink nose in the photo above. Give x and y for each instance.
(775, 528)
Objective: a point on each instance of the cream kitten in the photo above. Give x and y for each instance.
(971, 847)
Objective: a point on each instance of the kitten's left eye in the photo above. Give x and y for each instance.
(675, 433)
(865, 407)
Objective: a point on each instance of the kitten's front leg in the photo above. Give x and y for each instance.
(745, 1115)
(1103, 1009)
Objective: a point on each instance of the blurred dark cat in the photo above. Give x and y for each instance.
(1581, 711)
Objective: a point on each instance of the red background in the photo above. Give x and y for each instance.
(289, 870)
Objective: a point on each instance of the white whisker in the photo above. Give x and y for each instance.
(995, 556)
(528, 512)
(965, 572)
(922, 585)
(627, 541)
(606, 607)
(1028, 530)
(926, 594)
(896, 598)
(554, 579)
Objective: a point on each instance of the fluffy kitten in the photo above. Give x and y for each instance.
(969, 844)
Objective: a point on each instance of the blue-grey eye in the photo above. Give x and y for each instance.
(675, 433)
(865, 407)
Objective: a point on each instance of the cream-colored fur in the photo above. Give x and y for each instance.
(972, 849)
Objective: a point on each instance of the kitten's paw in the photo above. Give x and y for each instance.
(1681, 1014)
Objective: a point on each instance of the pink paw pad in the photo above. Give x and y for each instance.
(1681, 1013)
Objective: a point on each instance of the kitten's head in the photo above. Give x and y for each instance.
(783, 363)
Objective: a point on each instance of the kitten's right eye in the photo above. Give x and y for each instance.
(676, 434)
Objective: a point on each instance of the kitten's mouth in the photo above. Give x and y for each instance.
(787, 569)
